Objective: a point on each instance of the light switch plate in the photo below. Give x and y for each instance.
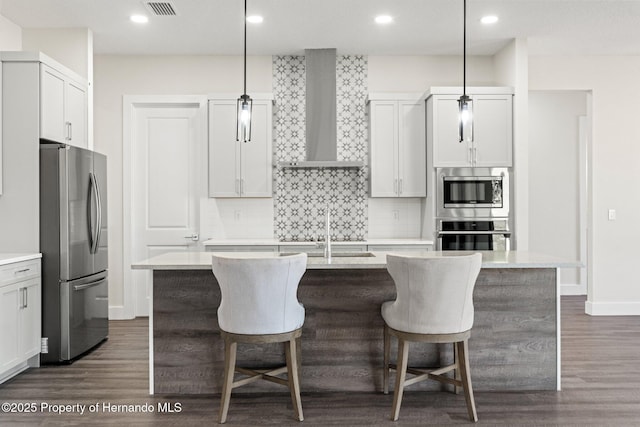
(612, 214)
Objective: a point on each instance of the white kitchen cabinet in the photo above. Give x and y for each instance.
(20, 317)
(240, 169)
(397, 147)
(63, 108)
(490, 137)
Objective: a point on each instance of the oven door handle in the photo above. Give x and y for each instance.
(492, 232)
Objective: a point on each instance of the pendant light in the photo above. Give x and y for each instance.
(245, 103)
(464, 112)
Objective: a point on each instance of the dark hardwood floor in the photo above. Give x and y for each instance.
(601, 386)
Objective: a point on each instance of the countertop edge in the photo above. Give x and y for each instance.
(10, 258)
(201, 261)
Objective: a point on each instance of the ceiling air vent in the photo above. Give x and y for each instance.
(160, 8)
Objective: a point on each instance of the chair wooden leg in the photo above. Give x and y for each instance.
(292, 374)
(229, 371)
(401, 374)
(387, 351)
(463, 355)
(456, 389)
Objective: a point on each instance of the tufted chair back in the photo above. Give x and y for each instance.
(259, 295)
(434, 294)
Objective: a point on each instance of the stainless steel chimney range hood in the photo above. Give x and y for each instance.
(321, 124)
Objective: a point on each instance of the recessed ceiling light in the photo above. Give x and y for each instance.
(139, 19)
(384, 19)
(255, 19)
(489, 19)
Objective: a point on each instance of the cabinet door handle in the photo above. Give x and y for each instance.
(395, 186)
(70, 131)
(475, 156)
(26, 297)
(400, 188)
(24, 270)
(67, 126)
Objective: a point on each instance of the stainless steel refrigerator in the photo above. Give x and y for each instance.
(73, 242)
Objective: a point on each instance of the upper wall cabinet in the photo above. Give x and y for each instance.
(47, 93)
(397, 153)
(63, 108)
(489, 141)
(238, 169)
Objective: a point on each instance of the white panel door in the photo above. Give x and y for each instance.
(383, 151)
(224, 150)
(165, 205)
(256, 167)
(52, 124)
(30, 319)
(412, 149)
(9, 330)
(75, 113)
(493, 130)
(448, 151)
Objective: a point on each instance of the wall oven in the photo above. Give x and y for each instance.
(472, 192)
(472, 209)
(473, 235)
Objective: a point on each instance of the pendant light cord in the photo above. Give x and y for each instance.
(464, 50)
(245, 46)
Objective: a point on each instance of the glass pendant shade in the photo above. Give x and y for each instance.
(465, 118)
(243, 131)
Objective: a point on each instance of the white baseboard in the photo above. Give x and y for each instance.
(573, 289)
(612, 308)
(118, 312)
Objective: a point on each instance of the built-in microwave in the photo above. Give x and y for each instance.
(472, 192)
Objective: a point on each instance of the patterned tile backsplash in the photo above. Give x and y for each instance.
(302, 195)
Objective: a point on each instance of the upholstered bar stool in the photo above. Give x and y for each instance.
(258, 306)
(434, 304)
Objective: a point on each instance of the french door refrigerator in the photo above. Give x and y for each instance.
(73, 242)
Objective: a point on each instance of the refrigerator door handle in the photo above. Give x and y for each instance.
(99, 211)
(93, 227)
(88, 285)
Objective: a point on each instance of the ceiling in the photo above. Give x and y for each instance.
(420, 27)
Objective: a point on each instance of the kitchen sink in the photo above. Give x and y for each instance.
(334, 254)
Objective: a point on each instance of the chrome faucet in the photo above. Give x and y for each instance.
(327, 233)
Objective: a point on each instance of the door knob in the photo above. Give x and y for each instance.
(195, 237)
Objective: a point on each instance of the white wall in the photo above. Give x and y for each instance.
(10, 35)
(555, 176)
(511, 69)
(72, 47)
(613, 251)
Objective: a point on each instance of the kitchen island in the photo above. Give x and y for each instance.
(514, 344)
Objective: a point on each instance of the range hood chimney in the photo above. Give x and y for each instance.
(321, 133)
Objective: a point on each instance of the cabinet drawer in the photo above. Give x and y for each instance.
(19, 271)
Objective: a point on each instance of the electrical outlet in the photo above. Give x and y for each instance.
(612, 214)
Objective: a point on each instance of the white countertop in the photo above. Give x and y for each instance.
(274, 242)
(10, 258)
(490, 259)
